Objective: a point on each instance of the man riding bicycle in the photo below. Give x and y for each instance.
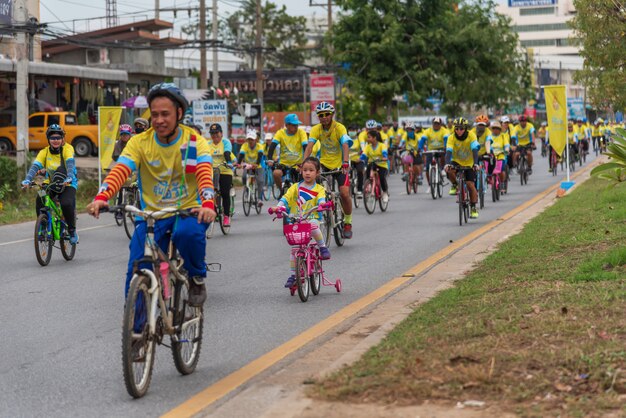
(175, 170)
(292, 142)
(355, 158)
(335, 153)
(252, 153)
(410, 144)
(434, 138)
(462, 149)
(524, 137)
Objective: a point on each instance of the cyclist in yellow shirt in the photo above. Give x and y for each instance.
(355, 161)
(412, 155)
(482, 132)
(434, 138)
(292, 142)
(462, 149)
(499, 146)
(335, 153)
(252, 153)
(524, 138)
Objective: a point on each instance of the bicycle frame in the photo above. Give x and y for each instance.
(54, 221)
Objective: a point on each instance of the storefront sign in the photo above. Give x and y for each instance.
(279, 86)
(322, 90)
(208, 112)
(6, 11)
(524, 3)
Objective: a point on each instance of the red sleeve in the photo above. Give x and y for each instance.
(113, 182)
(204, 179)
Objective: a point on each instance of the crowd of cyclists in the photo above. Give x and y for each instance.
(176, 166)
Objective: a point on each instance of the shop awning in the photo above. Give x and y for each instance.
(64, 70)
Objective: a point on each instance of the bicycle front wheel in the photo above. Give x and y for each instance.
(408, 181)
(315, 278)
(67, 248)
(247, 201)
(188, 322)
(481, 191)
(43, 240)
(338, 229)
(432, 181)
(137, 343)
(369, 197)
(301, 279)
(327, 227)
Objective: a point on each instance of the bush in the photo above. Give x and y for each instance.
(8, 175)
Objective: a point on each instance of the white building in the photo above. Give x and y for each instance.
(550, 42)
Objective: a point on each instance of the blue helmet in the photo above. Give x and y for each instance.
(54, 129)
(171, 91)
(324, 107)
(292, 119)
(371, 124)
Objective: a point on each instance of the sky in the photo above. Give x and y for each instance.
(53, 11)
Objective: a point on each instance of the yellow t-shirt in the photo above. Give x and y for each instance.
(363, 137)
(377, 153)
(299, 198)
(523, 135)
(462, 150)
(250, 155)
(331, 141)
(482, 139)
(50, 162)
(291, 146)
(435, 139)
(355, 150)
(217, 153)
(162, 179)
(499, 145)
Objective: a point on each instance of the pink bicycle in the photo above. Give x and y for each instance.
(309, 271)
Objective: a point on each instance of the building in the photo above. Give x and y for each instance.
(549, 41)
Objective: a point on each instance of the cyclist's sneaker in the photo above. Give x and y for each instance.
(347, 231)
(324, 253)
(226, 220)
(197, 291)
(419, 181)
(452, 191)
(385, 197)
(530, 171)
(405, 176)
(549, 170)
(260, 204)
(359, 195)
(73, 238)
(290, 282)
(428, 190)
(473, 212)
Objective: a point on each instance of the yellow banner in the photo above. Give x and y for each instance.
(108, 124)
(146, 114)
(556, 108)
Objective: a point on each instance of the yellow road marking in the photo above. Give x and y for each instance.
(231, 382)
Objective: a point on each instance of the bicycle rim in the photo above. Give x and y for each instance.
(494, 190)
(369, 200)
(407, 183)
(67, 248)
(338, 230)
(137, 344)
(246, 199)
(43, 240)
(326, 230)
(316, 277)
(257, 208)
(188, 342)
(432, 182)
(301, 279)
(129, 224)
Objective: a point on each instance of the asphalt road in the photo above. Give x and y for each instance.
(60, 336)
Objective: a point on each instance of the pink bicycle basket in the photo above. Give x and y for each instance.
(298, 234)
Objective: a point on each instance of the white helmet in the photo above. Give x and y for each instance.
(409, 125)
(505, 119)
(251, 134)
(371, 124)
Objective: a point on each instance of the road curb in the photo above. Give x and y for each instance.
(278, 389)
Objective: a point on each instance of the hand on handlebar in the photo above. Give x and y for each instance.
(94, 207)
(447, 167)
(26, 184)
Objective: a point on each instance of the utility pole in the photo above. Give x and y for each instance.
(214, 36)
(330, 25)
(156, 9)
(203, 70)
(21, 89)
(259, 60)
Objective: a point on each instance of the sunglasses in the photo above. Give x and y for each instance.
(324, 114)
(56, 138)
(459, 128)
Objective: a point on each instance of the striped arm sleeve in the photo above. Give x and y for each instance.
(113, 182)
(204, 178)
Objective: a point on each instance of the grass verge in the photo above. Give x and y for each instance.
(538, 327)
(21, 207)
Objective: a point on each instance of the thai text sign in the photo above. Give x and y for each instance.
(208, 112)
(322, 90)
(279, 86)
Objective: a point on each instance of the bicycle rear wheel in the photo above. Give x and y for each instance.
(338, 229)
(301, 279)
(369, 198)
(67, 248)
(43, 240)
(137, 344)
(188, 321)
(255, 192)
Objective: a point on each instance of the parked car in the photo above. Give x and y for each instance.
(84, 138)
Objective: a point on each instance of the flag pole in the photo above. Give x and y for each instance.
(567, 147)
(99, 151)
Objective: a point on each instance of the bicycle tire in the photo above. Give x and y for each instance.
(302, 280)
(43, 240)
(432, 182)
(383, 206)
(246, 200)
(225, 229)
(328, 226)
(481, 193)
(268, 184)
(119, 220)
(409, 179)
(315, 278)
(369, 198)
(522, 170)
(415, 183)
(338, 229)
(460, 203)
(137, 380)
(68, 250)
(186, 351)
(439, 184)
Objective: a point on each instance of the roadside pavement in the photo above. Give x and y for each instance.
(280, 391)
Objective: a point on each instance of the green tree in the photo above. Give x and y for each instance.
(600, 26)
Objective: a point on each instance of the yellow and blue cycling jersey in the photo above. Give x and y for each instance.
(291, 146)
(596, 131)
(396, 135)
(376, 152)
(482, 139)
(500, 145)
(572, 137)
(302, 197)
(462, 151)
(251, 155)
(51, 162)
(411, 144)
(160, 186)
(523, 135)
(363, 137)
(217, 153)
(435, 140)
(331, 141)
(356, 149)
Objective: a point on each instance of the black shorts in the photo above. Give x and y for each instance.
(295, 175)
(417, 158)
(340, 177)
(470, 175)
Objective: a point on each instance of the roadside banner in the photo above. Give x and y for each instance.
(108, 123)
(322, 90)
(556, 108)
(207, 112)
(146, 114)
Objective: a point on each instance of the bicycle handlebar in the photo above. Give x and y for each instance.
(281, 211)
(155, 214)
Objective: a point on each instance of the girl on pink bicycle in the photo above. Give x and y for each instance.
(302, 197)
